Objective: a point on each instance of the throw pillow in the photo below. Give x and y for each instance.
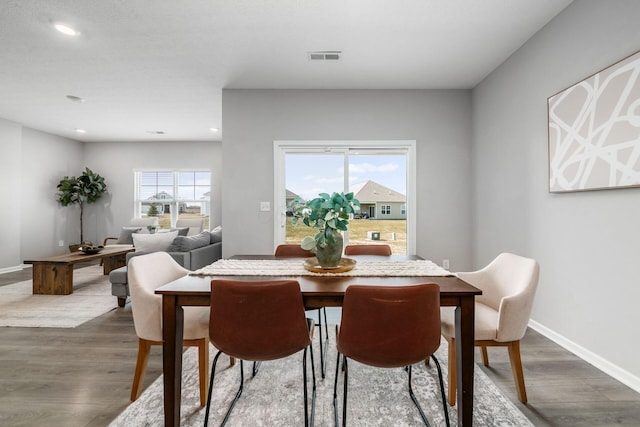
(189, 243)
(153, 242)
(216, 235)
(125, 235)
(183, 231)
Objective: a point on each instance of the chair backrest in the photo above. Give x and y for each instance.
(258, 320)
(195, 225)
(292, 251)
(508, 286)
(143, 222)
(384, 250)
(146, 273)
(390, 326)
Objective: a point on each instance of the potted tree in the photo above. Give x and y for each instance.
(86, 188)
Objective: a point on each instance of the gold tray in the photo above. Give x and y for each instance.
(345, 264)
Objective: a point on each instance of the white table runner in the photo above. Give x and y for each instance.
(295, 267)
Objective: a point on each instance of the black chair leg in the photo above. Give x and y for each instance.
(235, 399)
(345, 369)
(335, 391)
(213, 372)
(325, 347)
(256, 368)
(309, 420)
(415, 400)
(444, 399)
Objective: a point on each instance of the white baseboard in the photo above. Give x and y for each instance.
(14, 268)
(11, 269)
(604, 365)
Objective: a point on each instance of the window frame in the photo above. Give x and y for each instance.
(282, 147)
(174, 202)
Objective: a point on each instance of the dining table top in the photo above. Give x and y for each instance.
(320, 285)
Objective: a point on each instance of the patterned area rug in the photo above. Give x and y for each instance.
(91, 298)
(377, 397)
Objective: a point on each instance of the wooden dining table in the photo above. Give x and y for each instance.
(317, 291)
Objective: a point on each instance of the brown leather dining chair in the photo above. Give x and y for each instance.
(260, 321)
(295, 251)
(383, 250)
(292, 251)
(389, 327)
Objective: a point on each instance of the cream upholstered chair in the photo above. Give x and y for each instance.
(508, 287)
(146, 273)
(195, 225)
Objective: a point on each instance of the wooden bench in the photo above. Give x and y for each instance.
(54, 275)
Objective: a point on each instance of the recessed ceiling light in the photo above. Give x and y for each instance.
(78, 130)
(214, 129)
(156, 132)
(64, 29)
(74, 98)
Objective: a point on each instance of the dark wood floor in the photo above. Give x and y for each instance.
(82, 376)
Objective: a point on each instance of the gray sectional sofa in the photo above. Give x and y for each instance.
(191, 252)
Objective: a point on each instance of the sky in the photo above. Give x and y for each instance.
(307, 175)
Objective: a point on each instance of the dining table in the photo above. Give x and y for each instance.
(318, 290)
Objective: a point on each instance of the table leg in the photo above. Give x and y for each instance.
(172, 333)
(465, 326)
(52, 278)
(110, 263)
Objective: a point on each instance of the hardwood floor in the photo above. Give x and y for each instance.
(82, 376)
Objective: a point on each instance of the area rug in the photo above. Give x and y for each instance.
(377, 397)
(91, 298)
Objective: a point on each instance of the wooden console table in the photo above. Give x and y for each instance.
(54, 275)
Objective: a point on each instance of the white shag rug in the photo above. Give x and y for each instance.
(91, 298)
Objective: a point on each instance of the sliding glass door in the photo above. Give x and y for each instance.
(380, 173)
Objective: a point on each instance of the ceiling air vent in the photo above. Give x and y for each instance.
(325, 55)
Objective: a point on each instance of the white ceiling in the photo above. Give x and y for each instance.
(161, 65)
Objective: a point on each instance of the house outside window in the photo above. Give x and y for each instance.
(170, 195)
(385, 210)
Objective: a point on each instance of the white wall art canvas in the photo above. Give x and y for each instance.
(594, 131)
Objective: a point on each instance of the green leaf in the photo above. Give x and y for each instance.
(308, 243)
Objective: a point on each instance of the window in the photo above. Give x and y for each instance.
(305, 168)
(385, 210)
(403, 209)
(171, 195)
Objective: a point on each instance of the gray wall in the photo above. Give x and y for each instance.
(116, 161)
(587, 243)
(11, 177)
(439, 121)
(32, 164)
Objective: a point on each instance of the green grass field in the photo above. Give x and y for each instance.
(358, 229)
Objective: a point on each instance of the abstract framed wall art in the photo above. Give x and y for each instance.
(594, 131)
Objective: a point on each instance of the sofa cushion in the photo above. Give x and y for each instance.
(216, 235)
(125, 235)
(153, 242)
(189, 243)
(182, 231)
